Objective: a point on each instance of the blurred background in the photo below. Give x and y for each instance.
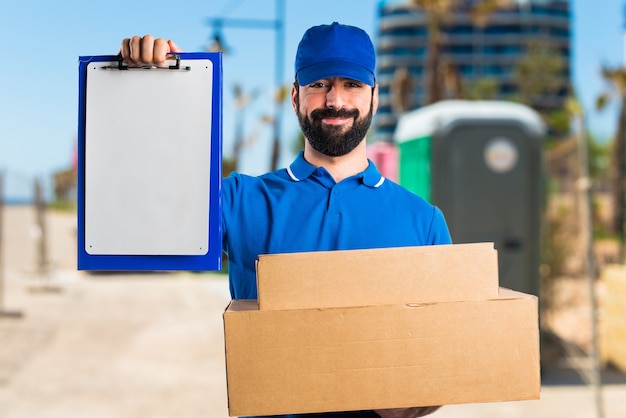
(508, 114)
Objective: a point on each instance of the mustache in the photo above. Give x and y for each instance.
(318, 114)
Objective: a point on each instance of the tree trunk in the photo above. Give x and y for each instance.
(619, 185)
(434, 85)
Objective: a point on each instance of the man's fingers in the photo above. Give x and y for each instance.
(135, 50)
(161, 48)
(407, 412)
(174, 47)
(125, 49)
(147, 50)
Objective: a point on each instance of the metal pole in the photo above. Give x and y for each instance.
(584, 188)
(43, 265)
(278, 81)
(42, 256)
(278, 25)
(620, 187)
(1, 236)
(3, 313)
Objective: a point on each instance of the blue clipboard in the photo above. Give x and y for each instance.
(150, 164)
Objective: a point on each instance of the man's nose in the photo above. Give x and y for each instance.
(335, 98)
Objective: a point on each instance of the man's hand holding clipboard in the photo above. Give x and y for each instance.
(147, 50)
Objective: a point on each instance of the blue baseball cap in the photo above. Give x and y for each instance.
(335, 50)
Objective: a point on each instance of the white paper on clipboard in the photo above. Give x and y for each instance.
(146, 177)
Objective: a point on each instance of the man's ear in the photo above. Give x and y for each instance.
(295, 90)
(375, 98)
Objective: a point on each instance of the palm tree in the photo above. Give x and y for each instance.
(539, 74)
(616, 77)
(437, 13)
(242, 100)
(401, 90)
(280, 97)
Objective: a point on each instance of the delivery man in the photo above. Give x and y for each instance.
(331, 197)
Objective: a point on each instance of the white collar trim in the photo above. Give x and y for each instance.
(293, 176)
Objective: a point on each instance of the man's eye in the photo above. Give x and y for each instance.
(317, 85)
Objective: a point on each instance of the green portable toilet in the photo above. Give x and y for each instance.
(480, 162)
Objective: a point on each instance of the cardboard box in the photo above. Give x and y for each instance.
(352, 358)
(325, 279)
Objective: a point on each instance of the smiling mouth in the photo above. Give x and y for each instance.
(335, 121)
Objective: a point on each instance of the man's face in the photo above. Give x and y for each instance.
(334, 114)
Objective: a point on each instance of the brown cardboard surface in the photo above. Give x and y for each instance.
(352, 358)
(381, 276)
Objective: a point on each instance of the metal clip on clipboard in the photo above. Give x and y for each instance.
(124, 67)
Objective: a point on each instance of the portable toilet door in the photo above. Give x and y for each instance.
(486, 176)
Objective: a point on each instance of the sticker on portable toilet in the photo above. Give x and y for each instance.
(501, 155)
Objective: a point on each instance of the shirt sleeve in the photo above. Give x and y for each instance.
(229, 189)
(439, 233)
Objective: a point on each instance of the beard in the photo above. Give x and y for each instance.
(332, 140)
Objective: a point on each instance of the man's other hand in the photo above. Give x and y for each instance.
(416, 412)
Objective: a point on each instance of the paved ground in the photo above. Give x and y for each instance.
(151, 345)
(114, 346)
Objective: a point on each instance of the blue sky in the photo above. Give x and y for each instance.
(43, 40)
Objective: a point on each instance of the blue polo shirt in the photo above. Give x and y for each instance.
(301, 208)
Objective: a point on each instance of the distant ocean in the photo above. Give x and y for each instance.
(17, 201)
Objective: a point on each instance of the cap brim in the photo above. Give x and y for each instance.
(336, 68)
